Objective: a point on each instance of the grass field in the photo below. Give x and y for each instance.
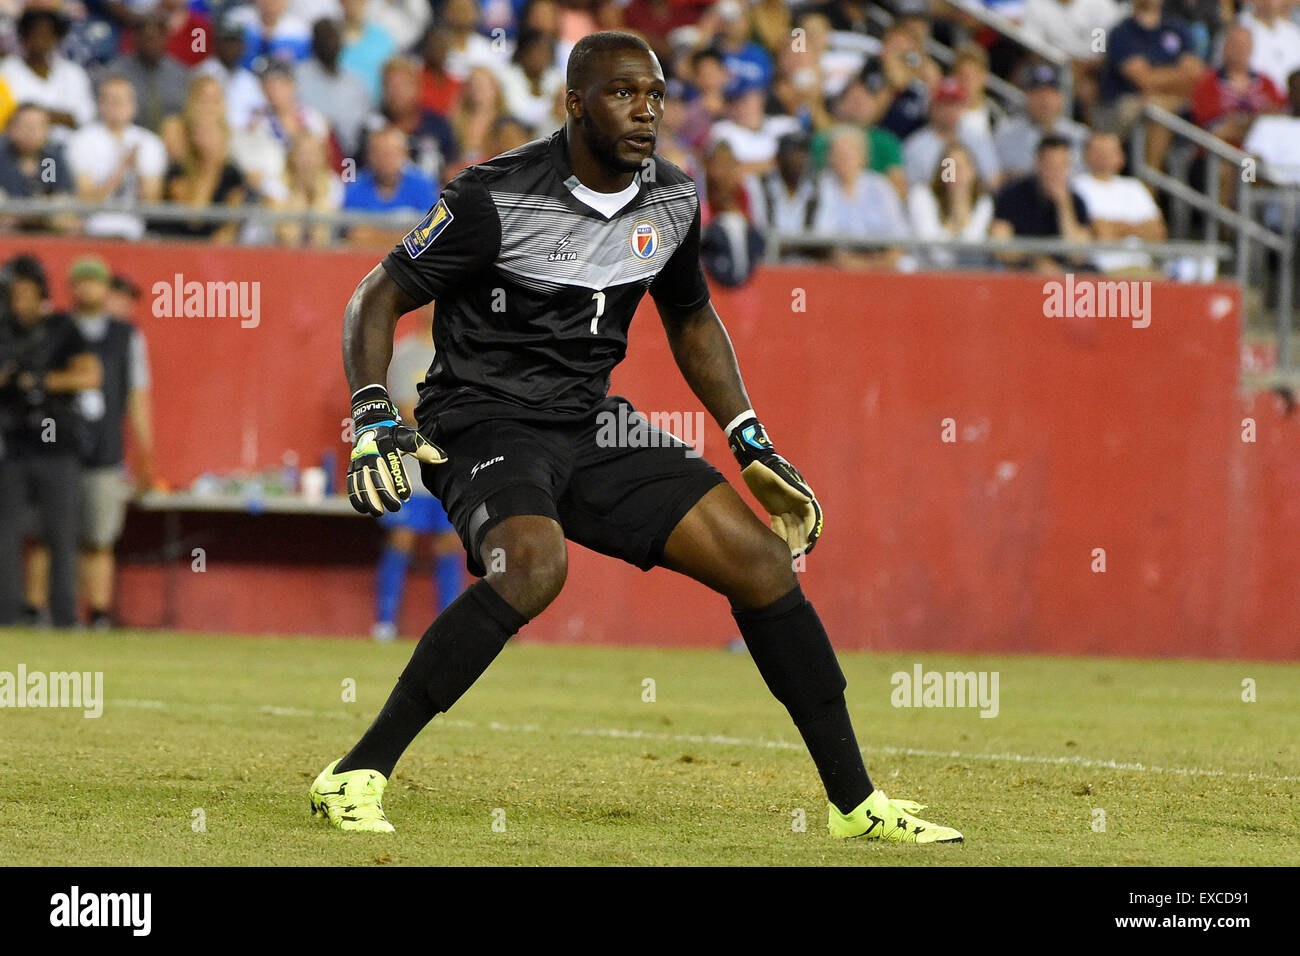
(557, 744)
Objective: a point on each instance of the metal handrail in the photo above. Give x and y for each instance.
(179, 212)
(1031, 245)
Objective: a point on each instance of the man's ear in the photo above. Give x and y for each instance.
(573, 104)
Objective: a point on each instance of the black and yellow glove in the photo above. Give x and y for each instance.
(796, 515)
(377, 479)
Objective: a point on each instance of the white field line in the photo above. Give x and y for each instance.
(620, 734)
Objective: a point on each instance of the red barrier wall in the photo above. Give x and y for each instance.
(1072, 435)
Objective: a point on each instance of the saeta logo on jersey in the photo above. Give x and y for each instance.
(645, 239)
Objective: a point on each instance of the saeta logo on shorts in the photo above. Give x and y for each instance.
(483, 464)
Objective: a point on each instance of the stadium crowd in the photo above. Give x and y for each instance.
(818, 118)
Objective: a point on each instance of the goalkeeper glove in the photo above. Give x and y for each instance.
(376, 477)
(796, 515)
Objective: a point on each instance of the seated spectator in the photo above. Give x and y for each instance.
(862, 104)
(1275, 47)
(337, 94)
(309, 185)
(390, 183)
(479, 107)
(730, 246)
(115, 160)
(205, 98)
(1118, 207)
(1074, 26)
(1149, 59)
(1228, 100)
(530, 81)
(1017, 137)
(1041, 205)
(467, 48)
(367, 46)
(953, 205)
(909, 75)
(922, 150)
(204, 177)
(1275, 140)
(854, 202)
(32, 166)
(796, 89)
(431, 139)
(260, 149)
(439, 90)
(773, 21)
(160, 82)
(243, 90)
(403, 20)
(785, 199)
(38, 74)
(750, 133)
(970, 68)
(271, 33)
(828, 58)
(728, 28)
(706, 97)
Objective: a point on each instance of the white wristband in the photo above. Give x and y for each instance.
(747, 413)
(364, 387)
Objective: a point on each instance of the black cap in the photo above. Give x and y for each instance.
(1040, 74)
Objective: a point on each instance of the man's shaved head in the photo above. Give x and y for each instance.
(587, 52)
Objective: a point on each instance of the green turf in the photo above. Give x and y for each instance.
(559, 740)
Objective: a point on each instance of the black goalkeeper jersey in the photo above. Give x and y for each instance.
(535, 289)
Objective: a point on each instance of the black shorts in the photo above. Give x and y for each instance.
(621, 497)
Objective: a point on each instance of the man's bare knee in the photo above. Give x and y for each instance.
(528, 562)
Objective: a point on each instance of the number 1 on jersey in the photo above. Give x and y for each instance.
(600, 309)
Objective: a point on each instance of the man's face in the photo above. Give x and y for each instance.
(1236, 48)
(946, 114)
(1104, 155)
(1054, 168)
(25, 301)
(117, 103)
(618, 113)
(153, 39)
(792, 162)
(120, 305)
(460, 14)
(401, 88)
(1147, 6)
(325, 41)
(1044, 105)
(847, 157)
(90, 295)
(41, 39)
(279, 90)
(230, 49)
(29, 129)
(388, 155)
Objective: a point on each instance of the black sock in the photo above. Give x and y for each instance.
(795, 657)
(456, 649)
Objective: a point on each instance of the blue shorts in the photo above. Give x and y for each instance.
(423, 514)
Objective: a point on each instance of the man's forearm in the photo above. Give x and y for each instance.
(368, 325)
(703, 352)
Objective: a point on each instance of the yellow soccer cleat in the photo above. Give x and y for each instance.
(879, 818)
(351, 800)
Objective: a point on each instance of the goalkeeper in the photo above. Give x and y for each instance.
(537, 260)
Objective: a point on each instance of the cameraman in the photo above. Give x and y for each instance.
(44, 361)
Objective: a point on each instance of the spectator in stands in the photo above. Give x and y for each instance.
(854, 202)
(728, 27)
(786, 198)
(285, 115)
(431, 138)
(970, 68)
(120, 398)
(243, 90)
(1080, 29)
(1017, 136)
(1275, 140)
(751, 134)
(183, 23)
(439, 90)
(480, 105)
(204, 177)
(910, 75)
(773, 21)
(953, 205)
(468, 48)
(923, 149)
(1205, 19)
(367, 46)
(1227, 100)
(205, 98)
(672, 144)
(861, 104)
(1275, 51)
(271, 32)
(160, 82)
(706, 97)
(33, 166)
(796, 89)
(390, 183)
(730, 246)
(38, 74)
(309, 185)
(403, 20)
(1150, 58)
(1119, 207)
(530, 81)
(829, 65)
(46, 362)
(118, 160)
(337, 94)
(1041, 205)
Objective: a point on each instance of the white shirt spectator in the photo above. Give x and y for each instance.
(754, 146)
(95, 152)
(1118, 199)
(1276, 140)
(534, 111)
(1275, 50)
(771, 206)
(873, 211)
(66, 90)
(244, 94)
(478, 52)
(927, 222)
(1071, 26)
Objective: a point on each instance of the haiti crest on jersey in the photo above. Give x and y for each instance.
(645, 239)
